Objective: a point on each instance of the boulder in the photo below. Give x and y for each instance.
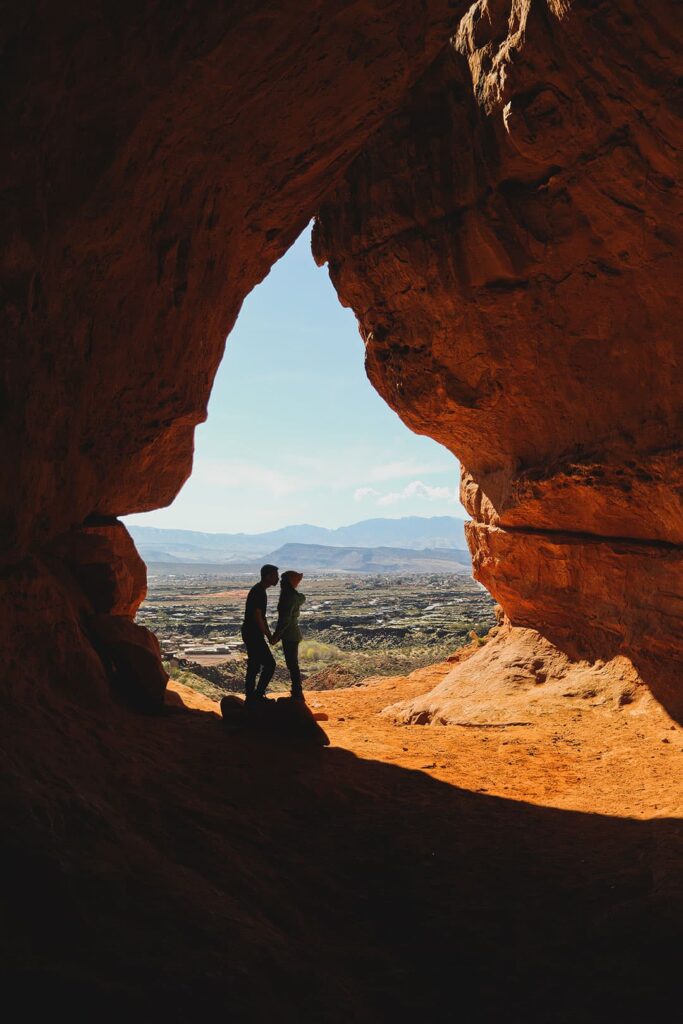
(283, 719)
(133, 657)
(104, 560)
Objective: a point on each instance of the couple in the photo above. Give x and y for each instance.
(255, 630)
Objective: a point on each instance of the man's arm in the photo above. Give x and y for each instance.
(262, 624)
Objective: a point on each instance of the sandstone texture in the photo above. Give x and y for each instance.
(158, 162)
(510, 242)
(517, 678)
(133, 657)
(498, 202)
(106, 565)
(67, 622)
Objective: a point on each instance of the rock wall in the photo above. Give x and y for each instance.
(510, 242)
(159, 159)
(499, 211)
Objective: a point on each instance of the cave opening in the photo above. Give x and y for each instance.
(300, 462)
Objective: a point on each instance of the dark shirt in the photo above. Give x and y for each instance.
(256, 598)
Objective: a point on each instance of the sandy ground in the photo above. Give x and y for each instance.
(628, 764)
(166, 868)
(522, 872)
(580, 751)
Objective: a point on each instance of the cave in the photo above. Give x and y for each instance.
(495, 194)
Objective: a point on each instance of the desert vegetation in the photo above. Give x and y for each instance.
(354, 627)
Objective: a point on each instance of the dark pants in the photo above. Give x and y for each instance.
(290, 649)
(258, 658)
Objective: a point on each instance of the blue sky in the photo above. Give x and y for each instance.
(295, 432)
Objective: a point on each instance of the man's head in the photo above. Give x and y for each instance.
(269, 575)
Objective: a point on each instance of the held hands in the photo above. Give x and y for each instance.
(274, 638)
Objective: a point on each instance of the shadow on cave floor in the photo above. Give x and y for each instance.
(160, 866)
(662, 676)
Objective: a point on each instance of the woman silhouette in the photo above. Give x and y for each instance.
(287, 629)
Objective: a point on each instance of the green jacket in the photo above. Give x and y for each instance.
(287, 628)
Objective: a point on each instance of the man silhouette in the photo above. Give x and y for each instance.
(255, 631)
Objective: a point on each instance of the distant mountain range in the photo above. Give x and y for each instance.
(412, 533)
(327, 558)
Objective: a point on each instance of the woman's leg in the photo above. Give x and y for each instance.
(290, 649)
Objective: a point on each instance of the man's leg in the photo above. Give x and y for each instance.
(253, 665)
(291, 652)
(268, 662)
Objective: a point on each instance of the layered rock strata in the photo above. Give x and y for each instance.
(510, 244)
(518, 678)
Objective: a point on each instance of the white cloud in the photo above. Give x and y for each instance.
(357, 469)
(231, 473)
(399, 469)
(361, 493)
(417, 489)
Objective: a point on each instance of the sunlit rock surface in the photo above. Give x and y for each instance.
(518, 678)
(511, 244)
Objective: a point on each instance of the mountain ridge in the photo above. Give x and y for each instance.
(408, 533)
(332, 558)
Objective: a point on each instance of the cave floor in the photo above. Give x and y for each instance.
(403, 873)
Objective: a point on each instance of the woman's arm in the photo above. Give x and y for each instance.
(283, 619)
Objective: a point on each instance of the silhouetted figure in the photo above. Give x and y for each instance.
(287, 628)
(255, 632)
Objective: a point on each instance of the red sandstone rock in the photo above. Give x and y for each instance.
(283, 719)
(511, 245)
(107, 566)
(135, 657)
(159, 162)
(44, 644)
(519, 678)
(507, 234)
(512, 265)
